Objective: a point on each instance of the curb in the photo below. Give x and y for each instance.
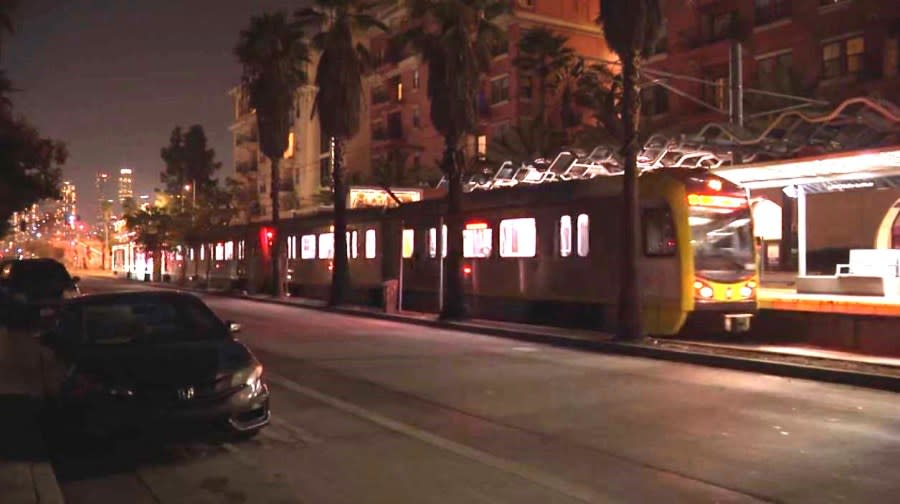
(783, 369)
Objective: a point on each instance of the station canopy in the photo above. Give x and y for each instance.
(855, 145)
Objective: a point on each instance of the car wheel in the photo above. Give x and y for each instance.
(244, 435)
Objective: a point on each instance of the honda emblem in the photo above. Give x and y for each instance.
(186, 394)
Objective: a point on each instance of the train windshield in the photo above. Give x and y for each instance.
(722, 240)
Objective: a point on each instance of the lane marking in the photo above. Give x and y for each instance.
(523, 471)
(304, 435)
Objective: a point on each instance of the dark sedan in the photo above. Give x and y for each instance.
(140, 359)
(31, 290)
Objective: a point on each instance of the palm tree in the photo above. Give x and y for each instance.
(273, 54)
(339, 97)
(544, 55)
(631, 28)
(455, 39)
(526, 141)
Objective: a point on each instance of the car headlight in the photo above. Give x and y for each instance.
(249, 377)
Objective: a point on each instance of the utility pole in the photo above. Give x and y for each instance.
(736, 92)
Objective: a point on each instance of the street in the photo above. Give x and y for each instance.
(366, 410)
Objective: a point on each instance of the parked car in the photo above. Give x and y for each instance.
(32, 290)
(145, 359)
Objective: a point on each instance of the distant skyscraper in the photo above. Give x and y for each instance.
(68, 203)
(126, 187)
(104, 193)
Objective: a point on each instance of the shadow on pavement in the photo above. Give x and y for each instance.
(18, 433)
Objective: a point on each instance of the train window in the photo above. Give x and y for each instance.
(353, 243)
(409, 242)
(432, 242)
(242, 251)
(370, 244)
(202, 252)
(229, 250)
(659, 232)
(291, 247)
(220, 251)
(326, 246)
(477, 242)
(565, 236)
(191, 253)
(584, 234)
(308, 247)
(518, 238)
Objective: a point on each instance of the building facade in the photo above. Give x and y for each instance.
(399, 107)
(126, 185)
(103, 187)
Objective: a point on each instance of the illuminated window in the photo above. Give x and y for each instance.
(843, 57)
(584, 229)
(370, 244)
(500, 90)
(482, 146)
(308, 247)
(242, 250)
(416, 79)
(399, 91)
(432, 242)
(659, 232)
(518, 238)
(565, 236)
(326, 246)
(354, 244)
(289, 152)
(191, 253)
(203, 252)
(477, 241)
(409, 242)
(229, 250)
(220, 251)
(291, 247)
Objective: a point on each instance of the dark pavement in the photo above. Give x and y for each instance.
(374, 411)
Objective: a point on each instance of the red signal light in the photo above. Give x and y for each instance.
(467, 270)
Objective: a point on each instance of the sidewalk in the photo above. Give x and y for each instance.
(794, 362)
(26, 475)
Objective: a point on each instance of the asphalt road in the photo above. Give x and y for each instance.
(373, 411)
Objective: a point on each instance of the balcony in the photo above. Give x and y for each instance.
(247, 167)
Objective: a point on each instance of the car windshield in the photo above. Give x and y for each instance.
(722, 242)
(142, 320)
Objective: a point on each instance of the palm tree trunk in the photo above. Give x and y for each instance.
(340, 273)
(184, 260)
(454, 301)
(277, 280)
(629, 323)
(157, 264)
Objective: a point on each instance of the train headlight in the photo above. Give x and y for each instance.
(747, 290)
(706, 292)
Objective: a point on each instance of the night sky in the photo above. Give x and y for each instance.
(112, 78)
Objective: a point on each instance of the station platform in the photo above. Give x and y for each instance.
(787, 299)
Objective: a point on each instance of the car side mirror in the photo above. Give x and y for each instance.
(76, 279)
(233, 327)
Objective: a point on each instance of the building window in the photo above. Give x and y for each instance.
(409, 243)
(396, 86)
(720, 26)
(775, 69)
(716, 92)
(843, 57)
(526, 87)
(415, 79)
(370, 244)
(768, 11)
(308, 247)
(584, 231)
(659, 232)
(565, 236)
(481, 144)
(379, 95)
(518, 237)
(379, 132)
(395, 126)
(416, 117)
(500, 49)
(654, 100)
(432, 242)
(289, 151)
(326, 246)
(477, 240)
(500, 90)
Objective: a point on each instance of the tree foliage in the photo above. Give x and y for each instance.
(189, 161)
(544, 55)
